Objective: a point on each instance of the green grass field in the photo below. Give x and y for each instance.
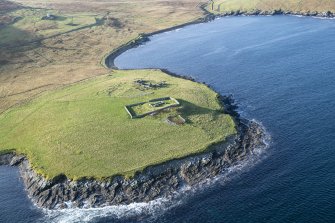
(221, 6)
(83, 130)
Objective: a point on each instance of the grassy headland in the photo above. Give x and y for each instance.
(83, 130)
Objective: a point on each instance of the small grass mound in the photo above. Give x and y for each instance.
(176, 120)
(83, 130)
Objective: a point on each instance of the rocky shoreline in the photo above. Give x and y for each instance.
(327, 14)
(154, 182)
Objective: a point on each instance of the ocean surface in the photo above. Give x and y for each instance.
(281, 72)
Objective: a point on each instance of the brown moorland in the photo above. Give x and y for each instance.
(51, 55)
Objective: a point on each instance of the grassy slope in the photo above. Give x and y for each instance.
(84, 130)
(270, 5)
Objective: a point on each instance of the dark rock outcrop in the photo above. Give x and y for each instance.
(6, 158)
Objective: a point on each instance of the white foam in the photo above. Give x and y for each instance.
(122, 211)
(218, 50)
(275, 40)
(314, 17)
(324, 18)
(300, 16)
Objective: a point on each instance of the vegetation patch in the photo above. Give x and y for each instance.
(176, 120)
(113, 22)
(148, 84)
(83, 131)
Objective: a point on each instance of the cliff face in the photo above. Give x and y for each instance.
(6, 159)
(154, 182)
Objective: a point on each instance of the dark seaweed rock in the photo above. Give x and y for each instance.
(277, 12)
(229, 105)
(16, 160)
(6, 158)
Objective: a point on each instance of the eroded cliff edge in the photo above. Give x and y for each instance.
(154, 182)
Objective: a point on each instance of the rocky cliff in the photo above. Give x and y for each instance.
(154, 182)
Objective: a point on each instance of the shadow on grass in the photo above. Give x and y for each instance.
(60, 18)
(30, 40)
(188, 109)
(8, 6)
(12, 37)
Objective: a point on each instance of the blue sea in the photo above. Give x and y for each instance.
(281, 72)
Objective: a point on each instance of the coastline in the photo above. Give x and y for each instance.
(108, 60)
(153, 182)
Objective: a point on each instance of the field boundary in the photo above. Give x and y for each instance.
(133, 114)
